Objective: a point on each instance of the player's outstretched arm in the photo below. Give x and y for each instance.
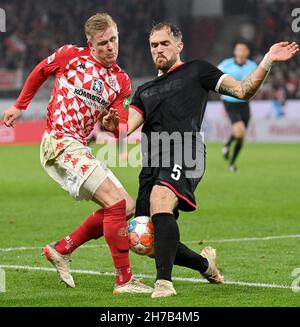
(47, 67)
(247, 88)
(10, 116)
(33, 82)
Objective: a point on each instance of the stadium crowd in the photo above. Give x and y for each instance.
(36, 28)
(272, 21)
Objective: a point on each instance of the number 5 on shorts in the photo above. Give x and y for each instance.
(176, 172)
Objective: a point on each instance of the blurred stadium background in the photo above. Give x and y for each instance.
(35, 29)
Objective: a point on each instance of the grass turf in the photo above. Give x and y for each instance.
(261, 199)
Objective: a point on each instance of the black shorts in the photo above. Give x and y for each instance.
(238, 111)
(176, 180)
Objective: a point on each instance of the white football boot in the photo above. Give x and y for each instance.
(163, 288)
(133, 286)
(232, 168)
(212, 273)
(61, 263)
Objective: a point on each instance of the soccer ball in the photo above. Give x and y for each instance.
(141, 235)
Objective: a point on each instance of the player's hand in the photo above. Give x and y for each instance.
(111, 120)
(10, 115)
(283, 51)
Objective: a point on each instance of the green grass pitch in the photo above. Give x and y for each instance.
(262, 199)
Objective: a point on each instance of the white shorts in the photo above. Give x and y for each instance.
(72, 165)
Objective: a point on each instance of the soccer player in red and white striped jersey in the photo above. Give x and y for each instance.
(88, 82)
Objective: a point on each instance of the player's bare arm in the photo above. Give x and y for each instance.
(111, 120)
(135, 120)
(247, 88)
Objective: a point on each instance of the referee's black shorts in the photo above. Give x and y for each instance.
(238, 111)
(183, 185)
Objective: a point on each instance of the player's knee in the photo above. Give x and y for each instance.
(162, 200)
(130, 203)
(107, 194)
(239, 130)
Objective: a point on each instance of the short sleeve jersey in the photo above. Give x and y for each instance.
(239, 72)
(176, 100)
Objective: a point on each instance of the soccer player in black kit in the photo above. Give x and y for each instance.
(173, 105)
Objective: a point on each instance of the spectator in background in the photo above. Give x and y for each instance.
(37, 28)
(238, 110)
(279, 102)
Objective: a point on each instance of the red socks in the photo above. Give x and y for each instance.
(116, 235)
(91, 228)
(112, 223)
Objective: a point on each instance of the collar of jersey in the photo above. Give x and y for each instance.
(239, 64)
(171, 69)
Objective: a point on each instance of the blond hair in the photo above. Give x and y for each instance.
(98, 22)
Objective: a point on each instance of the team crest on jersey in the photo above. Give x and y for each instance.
(98, 86)
(112, 82)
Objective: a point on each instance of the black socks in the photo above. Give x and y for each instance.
(236, 150)
(166, 240)
(185, 257)
(230, 140)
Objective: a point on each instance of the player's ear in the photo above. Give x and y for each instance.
(180, 46)
(90, 44)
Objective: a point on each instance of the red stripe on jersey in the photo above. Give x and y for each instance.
(178, 194)
(175, 67)
(137, 109)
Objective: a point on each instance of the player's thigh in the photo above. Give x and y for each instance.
(162, 199)
(147, 180)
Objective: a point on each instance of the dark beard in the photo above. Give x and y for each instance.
(166, 65)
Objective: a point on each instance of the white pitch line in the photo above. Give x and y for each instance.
(181, 279)
(249, 239)
(228, 240)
